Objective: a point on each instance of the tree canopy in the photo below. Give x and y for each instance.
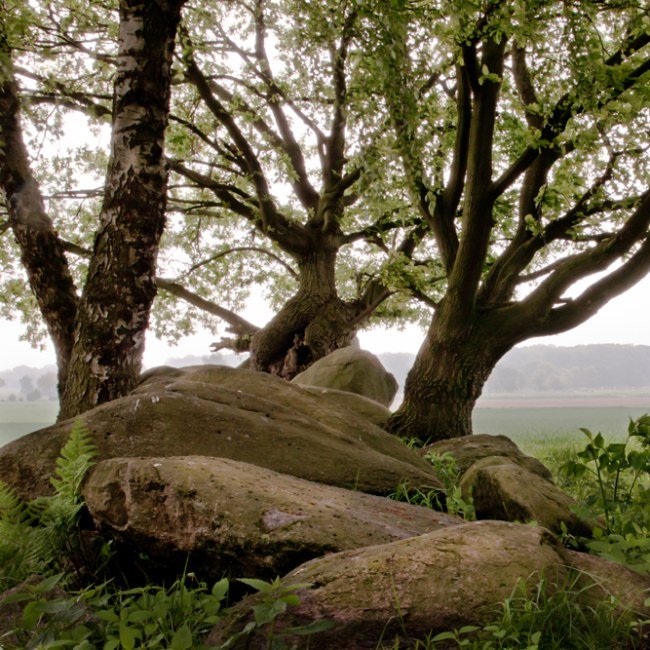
(461, 162)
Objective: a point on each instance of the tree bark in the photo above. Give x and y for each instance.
(312, 324)
(448, 376)
(42, 252)
(114, 311)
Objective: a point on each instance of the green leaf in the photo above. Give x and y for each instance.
(48, 583)
(182, 639)
(259, 585)
(127, 637)
(220, 589)
(267, 612)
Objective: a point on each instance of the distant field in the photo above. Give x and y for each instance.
(534, 428)
(19, 418)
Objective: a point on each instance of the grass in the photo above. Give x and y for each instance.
(19, 418)
(536, 430)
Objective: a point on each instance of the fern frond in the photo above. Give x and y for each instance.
(36, 536)
(75, 460)
(15, 530)
(11, 507)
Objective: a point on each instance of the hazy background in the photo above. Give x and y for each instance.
(624, 320)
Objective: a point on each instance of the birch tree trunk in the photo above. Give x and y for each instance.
(114, 311)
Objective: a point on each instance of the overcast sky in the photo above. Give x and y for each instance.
(625, 319)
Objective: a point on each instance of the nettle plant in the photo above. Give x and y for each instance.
(613, 484)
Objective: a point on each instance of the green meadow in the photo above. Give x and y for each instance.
(539, 429)
(19, 418)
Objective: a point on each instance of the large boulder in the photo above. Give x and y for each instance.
(468, 449)
(352, 370)
(235, 518)
(364, 406)
(502, 489)
(411, 588)
(229, 413)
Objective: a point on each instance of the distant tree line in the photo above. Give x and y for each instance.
(550, 368)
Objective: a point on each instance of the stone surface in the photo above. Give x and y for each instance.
(434, 582)
(229, 413)
(234, 518)
(502, 489)
(352, 370)
(364, 406)
(469, 449)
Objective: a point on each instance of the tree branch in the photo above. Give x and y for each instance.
(580, 309)
(238, 325)
(539, 303)
(240, 249)
(567, 107)
(302, 186)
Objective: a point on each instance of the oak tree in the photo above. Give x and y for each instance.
(523, 130)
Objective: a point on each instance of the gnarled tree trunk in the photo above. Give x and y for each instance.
(42, 252)
(310, 325)
(448, 376)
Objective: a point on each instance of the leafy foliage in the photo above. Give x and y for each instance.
(448, 472)
(613, 483)
(451, 500)
(40, 537)
(276, 597)
(155, 617)
(174, 618)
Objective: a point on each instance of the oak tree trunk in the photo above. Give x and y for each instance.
(447, 378)
(114, 311)
(309, 326)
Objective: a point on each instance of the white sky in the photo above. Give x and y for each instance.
(625, 320)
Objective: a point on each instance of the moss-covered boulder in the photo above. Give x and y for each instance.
(409, 589)
(229, 413)
(352, 370)
(236, 518)
(502, 489)
(363, 406)
(468, 449)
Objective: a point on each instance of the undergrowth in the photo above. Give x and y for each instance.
(539, 617)
(41, 537)
(611, 482)
(43, 558)
(450, 499)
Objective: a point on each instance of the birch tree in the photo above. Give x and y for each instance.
(98, 329)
